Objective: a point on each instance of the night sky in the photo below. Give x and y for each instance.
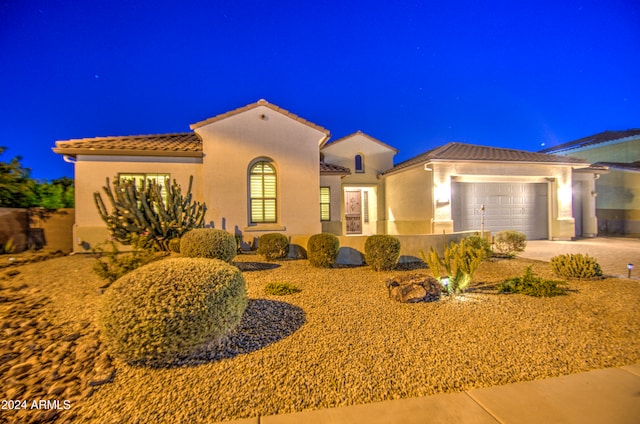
(412, 74)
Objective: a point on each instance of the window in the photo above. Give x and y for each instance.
(359, 163)
(138, 178)
(263, 193)
(365, 206)
(325, 204)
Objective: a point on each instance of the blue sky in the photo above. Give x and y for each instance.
(412, 74)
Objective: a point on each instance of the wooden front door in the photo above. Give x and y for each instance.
(353, 211)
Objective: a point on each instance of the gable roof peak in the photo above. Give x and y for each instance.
(362, 134)
(260, 102)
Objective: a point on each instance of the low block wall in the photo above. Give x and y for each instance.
(37, 228)
(352, 247)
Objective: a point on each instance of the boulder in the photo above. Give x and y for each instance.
(413, 288)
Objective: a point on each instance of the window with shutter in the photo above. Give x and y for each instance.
(325, 203)
(263, 193)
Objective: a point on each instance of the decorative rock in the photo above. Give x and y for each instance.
(19, 369)
(414, 288)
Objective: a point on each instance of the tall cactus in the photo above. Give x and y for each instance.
(143, 213)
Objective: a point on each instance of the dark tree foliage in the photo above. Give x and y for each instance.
(19, 190)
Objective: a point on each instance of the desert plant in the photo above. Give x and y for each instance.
(174, 245)
(273, 246)
(145, 209)
(167, 309)
(456, 268)
(8, 247)
(281, 289)
(509, 242)
(479, 242)
(322, 249)
(576, 266)
(381, 252)
(209, 243)
(112, 264)
(532, 285)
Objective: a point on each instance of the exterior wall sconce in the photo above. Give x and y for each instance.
(594, 194)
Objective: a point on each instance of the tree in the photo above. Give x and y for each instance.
(17, 188)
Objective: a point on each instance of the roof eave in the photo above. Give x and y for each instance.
(124, 152)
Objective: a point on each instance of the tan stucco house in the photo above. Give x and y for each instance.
(260, 168)
(618, 190)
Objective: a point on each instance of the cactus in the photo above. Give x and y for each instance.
(144, 215)
(455, 269)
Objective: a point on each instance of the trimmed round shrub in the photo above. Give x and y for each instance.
(209, 243)
(509, 242)
(381, 252)
(322, 250)
(273, 246)
(479, 242)
(167, 309)
(576, 266)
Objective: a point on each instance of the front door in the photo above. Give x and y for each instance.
(353, 214)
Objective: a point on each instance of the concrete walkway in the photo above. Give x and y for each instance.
(612, 253)
(610, 396)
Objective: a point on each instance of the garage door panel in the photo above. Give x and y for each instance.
(508, 206)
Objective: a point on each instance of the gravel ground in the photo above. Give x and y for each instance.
(341, 341)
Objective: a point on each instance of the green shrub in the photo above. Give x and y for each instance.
(479, 242)
(112, 264)
(509, 242)
(209, 243)
(576, 266)
(273, 246)
(167, 309)
(381, 252)
(281, 289)
(455, 269)
(532, 285)
(174, 245)
(322, 249)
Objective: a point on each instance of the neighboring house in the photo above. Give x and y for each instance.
(618, 190)
(263, 169)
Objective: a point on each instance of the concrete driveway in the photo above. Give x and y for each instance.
(612, 253)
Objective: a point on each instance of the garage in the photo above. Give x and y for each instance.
(508, 206)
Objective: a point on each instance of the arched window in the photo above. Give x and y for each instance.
(359, 163)
(263, 197)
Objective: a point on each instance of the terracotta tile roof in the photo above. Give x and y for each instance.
(375, 140)
(180, 144)
(603, 137)
(331, 169)
(634, 166)
(260, 102)
(471, 152)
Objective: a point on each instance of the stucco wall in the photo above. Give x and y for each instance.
(409, 201)
(232, 144)
(625, 152)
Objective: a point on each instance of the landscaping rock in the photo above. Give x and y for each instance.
(413, 288)
(41, 360)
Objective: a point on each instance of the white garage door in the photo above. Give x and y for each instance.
(508, 206)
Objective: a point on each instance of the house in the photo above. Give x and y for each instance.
(261, 168)
(618, 190)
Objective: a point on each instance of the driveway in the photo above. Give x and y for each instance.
(612, 253)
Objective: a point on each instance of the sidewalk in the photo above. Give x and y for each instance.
(610, 396)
